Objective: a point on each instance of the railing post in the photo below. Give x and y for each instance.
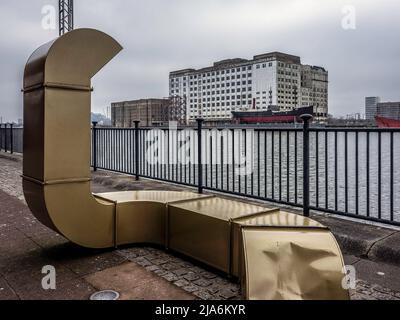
(5, 137)
(11, 138)
(137, 150)
(306, 163)
(200, 154)
(94, 145)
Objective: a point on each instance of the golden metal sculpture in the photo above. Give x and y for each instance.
(277, 255)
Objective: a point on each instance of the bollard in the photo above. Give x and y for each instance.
(94, 145)
(199, 154)
(306, 163)
(137, 150)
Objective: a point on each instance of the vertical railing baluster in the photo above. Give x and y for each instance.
(258, 164)
(5, 138)
(265, 165)
(379, 175)
(368, 171)
(227, 162)
(11, 138)
(280, 165)
(169, 154)
(326, 172)
(306, 164)
(211, 160)
(247, 163)
(233, 161)
(391, 177)
(346, 172)
(200, 154)
(273, 164)
(94, 145)
(317, 169)
(287, 166)
(356, 175)
(296, 182)
(336, 172)
(222, 160)
(137, 150)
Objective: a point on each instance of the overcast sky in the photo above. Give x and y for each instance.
(160, 36)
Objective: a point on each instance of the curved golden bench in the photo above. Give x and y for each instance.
(277, 255)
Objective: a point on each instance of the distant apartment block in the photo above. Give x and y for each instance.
(150, 113)
(390, 110)
(272, 81)
(371, 107)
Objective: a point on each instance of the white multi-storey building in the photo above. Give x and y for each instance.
(269, 81)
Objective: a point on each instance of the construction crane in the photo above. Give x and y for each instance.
(66, 16)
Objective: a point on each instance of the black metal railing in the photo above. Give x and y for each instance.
(11, 138)
(347, 171)
(351, 172)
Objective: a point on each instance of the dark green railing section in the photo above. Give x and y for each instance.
(351, 172)
(11, 138)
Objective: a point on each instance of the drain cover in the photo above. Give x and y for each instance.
(105, 295)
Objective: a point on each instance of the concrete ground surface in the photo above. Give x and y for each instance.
(142, 273)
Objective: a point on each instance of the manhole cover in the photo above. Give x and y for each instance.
(105, 295)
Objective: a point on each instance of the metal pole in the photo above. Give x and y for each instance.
(199, 154)
(306, 163)
(137, 150)
(11, 138)
(94, 146)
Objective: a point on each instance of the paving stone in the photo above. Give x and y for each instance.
(181, 283)
(170, 277)
(213, 289)
(152, 268)
(191, 288)
(160, 262)
(142, 262)
(202, 283)
(204, 295)
(171, 266)
(227, 294)
(191, 276)
(160, 272)
(208, 275)
(181, 272)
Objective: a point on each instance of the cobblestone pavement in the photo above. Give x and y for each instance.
(197, 280)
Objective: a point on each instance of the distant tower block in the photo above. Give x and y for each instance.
(66, 16)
